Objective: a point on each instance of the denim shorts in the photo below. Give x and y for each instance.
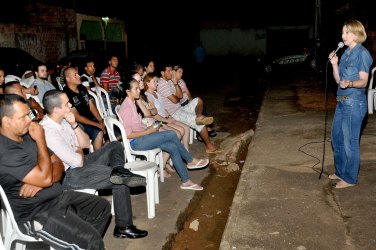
(92, 131)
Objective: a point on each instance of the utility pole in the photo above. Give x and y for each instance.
(105, 21)
(318, 19)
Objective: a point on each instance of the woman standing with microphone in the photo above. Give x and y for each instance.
(351, 75)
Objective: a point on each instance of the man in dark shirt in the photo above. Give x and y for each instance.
(36, 111)
(29, 175)
(83, 108)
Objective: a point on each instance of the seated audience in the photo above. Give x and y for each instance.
(30, 174)
(40, 74)
(83, 108)
(182, 130)
(111, 81)
(138, 73)
(146, 138)
(88, 78)
(28, 77)
(190, 114)
(36, 112)
(149, 67)
(65, 63)
(102, 169)
(2, 80)
(177, 76)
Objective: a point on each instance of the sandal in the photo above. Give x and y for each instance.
(192, 187)
(215, 151)
(200, 164)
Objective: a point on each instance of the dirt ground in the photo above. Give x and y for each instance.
(210, 209)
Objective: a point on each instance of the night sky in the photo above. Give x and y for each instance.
(166, 20)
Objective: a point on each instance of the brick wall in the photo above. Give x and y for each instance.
(50, 34)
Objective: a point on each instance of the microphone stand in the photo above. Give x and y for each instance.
(326, 118)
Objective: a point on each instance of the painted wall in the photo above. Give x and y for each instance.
(233, 41)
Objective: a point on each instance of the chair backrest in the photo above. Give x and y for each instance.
(58, 79)
(117, 109)
(112, 123)
(9, 228)
(370, 86)
(98, 104)
(106, 104)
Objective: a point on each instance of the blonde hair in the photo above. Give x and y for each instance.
(357, 28)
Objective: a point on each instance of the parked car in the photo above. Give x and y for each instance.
(16, 61)
(306, 60)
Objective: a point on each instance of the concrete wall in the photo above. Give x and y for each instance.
(234, 41)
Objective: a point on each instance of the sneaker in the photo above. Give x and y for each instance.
(122, 176)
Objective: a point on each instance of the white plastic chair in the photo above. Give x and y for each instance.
(192, 135)
(154, 155)
(106, 104)
(371, 94)
(61, 87)
(98, 104)
(10, 233)
(148, 168)
(117, 109)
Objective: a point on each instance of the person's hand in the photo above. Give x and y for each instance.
(31, 91)
(151, 129)
(345, 84)
(101, 126)
(333, 58)
(70, 118)
(174, 78)
(170, 120)
(28, 190)
(36, 131)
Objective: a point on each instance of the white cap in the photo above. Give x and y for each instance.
(11, 78)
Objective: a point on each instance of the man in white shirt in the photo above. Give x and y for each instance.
(40, 74)
(102, 169)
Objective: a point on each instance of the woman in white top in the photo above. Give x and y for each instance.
(150, 86)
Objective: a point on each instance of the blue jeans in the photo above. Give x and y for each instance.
(168, 142)
(347, 123)
(95, 174)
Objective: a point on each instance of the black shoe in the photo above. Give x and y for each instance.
(212, 133)
(124, 176)
(131, 232)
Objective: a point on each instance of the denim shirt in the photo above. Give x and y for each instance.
(351, 63)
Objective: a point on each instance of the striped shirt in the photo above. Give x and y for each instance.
(165, 89)
(110, 78)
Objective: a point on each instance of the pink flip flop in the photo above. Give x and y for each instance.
(200, 164)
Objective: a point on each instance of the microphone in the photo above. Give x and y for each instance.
(340, 45)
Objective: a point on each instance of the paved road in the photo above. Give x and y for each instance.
(281, 203)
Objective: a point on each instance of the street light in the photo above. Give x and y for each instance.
(105, 20)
